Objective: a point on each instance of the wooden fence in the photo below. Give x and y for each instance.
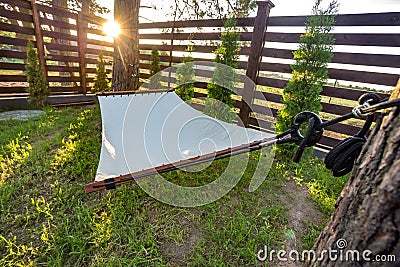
(69, 43)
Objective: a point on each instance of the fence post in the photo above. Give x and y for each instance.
(81, 21)
(253, 64)
(38, 36)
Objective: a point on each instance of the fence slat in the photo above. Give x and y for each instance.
(16, 15)
(15, 28)
(371, 19)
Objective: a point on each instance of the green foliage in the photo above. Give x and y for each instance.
(224, 78)
(101, 82)
(38, 88)
(185, 77)
(309, 72)
(155, 75)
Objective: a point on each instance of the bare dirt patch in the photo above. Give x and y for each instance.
(300, 210)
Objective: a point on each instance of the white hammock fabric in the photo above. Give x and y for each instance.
(147, 130)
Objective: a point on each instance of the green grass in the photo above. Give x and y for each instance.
(47, 220)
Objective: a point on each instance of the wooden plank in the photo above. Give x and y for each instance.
(15, 28)
(11, 66)
(365, 77)
(328, 141)
(63, 89)
(244, 36)
(12, 78)
(377, 60)
(337, 92)
(372, 19)
(241, 22)
(62, 79)
(62, 68)
(100, 43)
(94, 51)
(94, 19)
(38, 36)
(60, 35)
(344, 129)
(360, 39)
(335, 109)
(15, 41)
(270, 97)
(57, 11)
(96, 32)
(264, 110)
(344, 93)
(61, 47)
(82, 37)
(16, 15)
(255, 55)
(344, 75)
(12, 90)
(19, 3)
(263, 124)
(62, 58)
(58, 24)
(12, 54)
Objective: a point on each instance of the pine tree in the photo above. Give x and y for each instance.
(185, 76)
(155, 74)
(224, 78)
(38, 88)
(309, 72)
(101, 82)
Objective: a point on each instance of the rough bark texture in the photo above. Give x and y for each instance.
(126, 46)
(367, 213)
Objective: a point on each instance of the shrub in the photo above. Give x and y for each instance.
(38, 88)
(224, 78)
(101, 82)
(309, 72)
(185, 77)
(155, 74)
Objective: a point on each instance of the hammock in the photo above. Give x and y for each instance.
(150, 132)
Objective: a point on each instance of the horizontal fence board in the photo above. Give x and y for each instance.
(19, 3)
(63, 79)
(12, 54)
(336, 109)
(94, 19)
(58, 12)
(241, 22)
(376, 60)
(62, 68)
(12, 90)
(95, 51)
(337, 92)
(12, 78)
(99, 43)
(371, 19)
(62, 58)
(16, 28)
(60, 35)
(11, 66)
(364, 77)
(63, 89)
(61, 47)
(58, 24)
(15, 41)
(16, 15)
(356, 39)
(244, 36)
(344, 75)
(263, 124)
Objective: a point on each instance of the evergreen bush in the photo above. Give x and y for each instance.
(38, 88)
(224, 78)
(101, 82)
(155, 75)
(309, 72)
(185, 76)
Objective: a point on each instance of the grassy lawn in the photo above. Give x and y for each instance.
(47, 220)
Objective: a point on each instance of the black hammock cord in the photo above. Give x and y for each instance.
(340, 159)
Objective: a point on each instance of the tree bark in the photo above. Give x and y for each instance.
(367, 212)
(126, 46)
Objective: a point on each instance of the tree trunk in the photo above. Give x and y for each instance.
(126, 46)
(367, 214)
